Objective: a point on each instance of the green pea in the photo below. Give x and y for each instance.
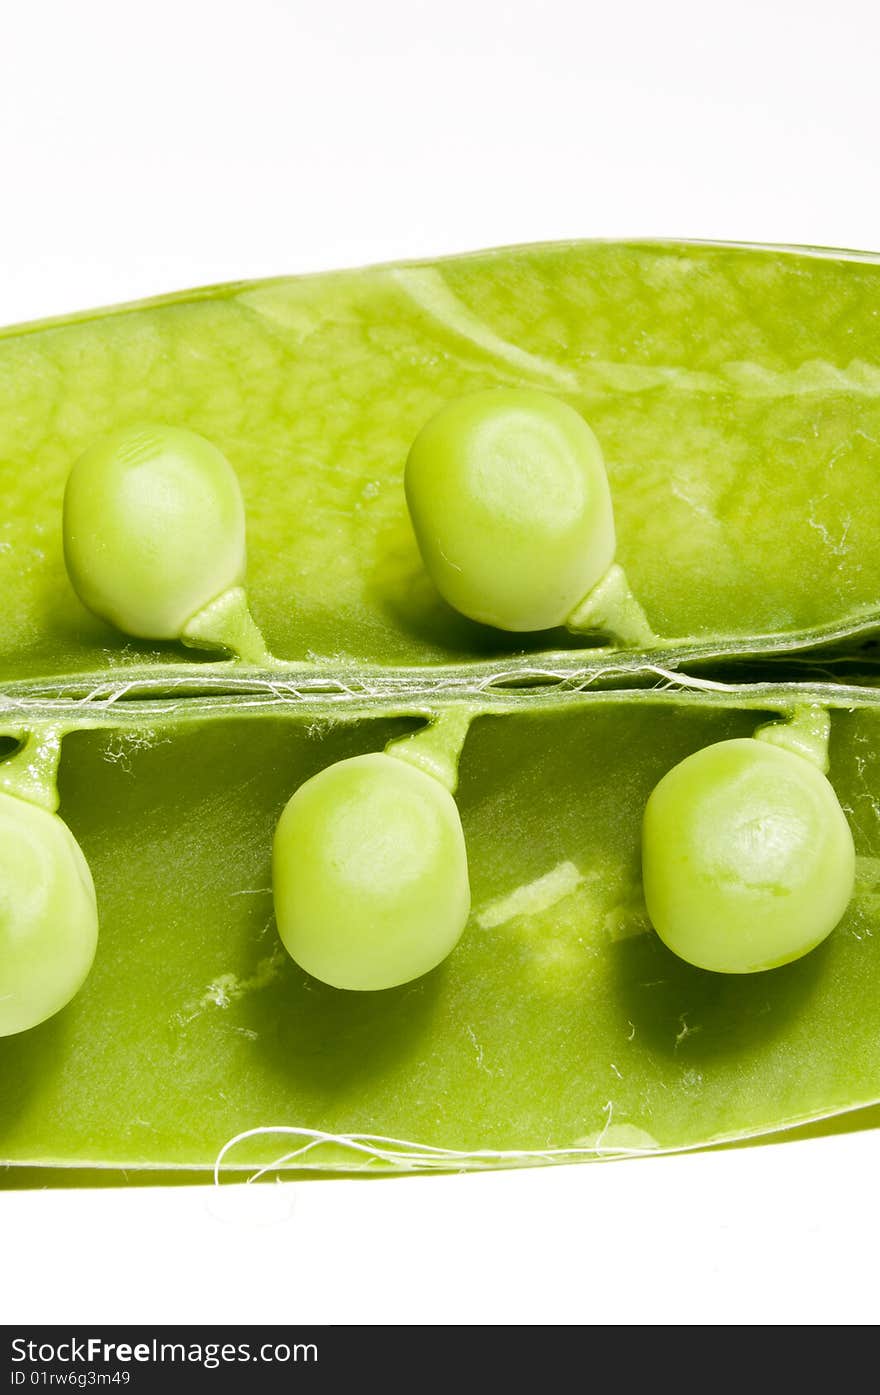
(511, 507)
(154, 529)
(48, 915)
(370, 873)
(747, 857)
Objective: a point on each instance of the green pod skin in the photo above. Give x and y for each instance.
(370, 874)
(747, 857)
(48, 915)
(196, 1021)
(154, 529)
(511, 508)
(710, 439)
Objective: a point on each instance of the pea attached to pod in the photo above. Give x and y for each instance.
(154, 539)
(748, 859)
(369, 867)
(511, 508)
(48, 910)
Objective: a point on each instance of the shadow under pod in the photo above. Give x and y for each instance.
(331, 1042)
(401, 587)
(702, 1016)
(25, 1059)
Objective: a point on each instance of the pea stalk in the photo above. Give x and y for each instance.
(31, 772)
(436, 748)
(805, 733)
(227, 623)
(612, 609)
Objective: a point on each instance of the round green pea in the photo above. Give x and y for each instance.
(747, 857)
(511, 508)
(154, 529)
(370, 873)
(48, 915)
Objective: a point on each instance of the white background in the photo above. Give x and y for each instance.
(160, 144)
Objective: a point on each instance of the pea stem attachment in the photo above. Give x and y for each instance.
(436, 748)
(612, 608)
(227, 623)
(805, 733)
(31, 772)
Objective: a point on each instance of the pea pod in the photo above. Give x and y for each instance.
(560, 1027)
(732, 389)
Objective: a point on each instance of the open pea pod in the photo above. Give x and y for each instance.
(560, 1028)
(734, 391)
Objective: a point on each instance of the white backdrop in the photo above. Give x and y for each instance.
(147, 147)
(150, 146)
